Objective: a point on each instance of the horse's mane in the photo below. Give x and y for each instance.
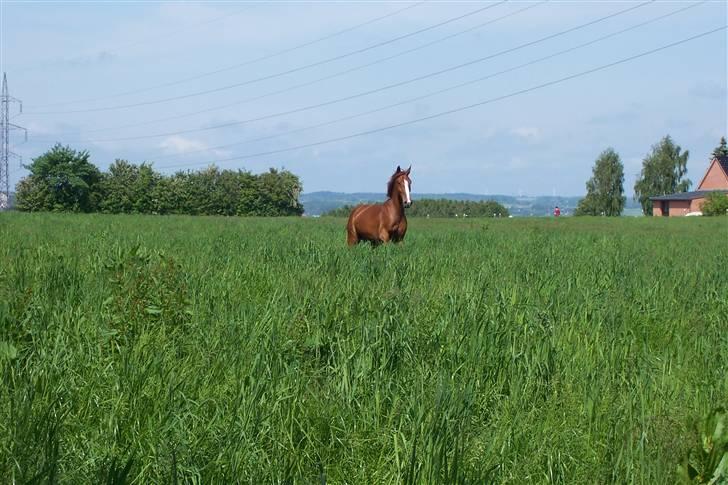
(392, 179)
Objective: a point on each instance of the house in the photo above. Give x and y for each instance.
(684, 203)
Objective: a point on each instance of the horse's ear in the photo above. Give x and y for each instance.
(408, 170)
(398, 169)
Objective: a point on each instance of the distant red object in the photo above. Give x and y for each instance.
(557, 212)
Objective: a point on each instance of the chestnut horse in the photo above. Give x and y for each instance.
(380, 223)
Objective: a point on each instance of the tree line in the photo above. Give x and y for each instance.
(64, 180)
(663, 172)
(442, 208)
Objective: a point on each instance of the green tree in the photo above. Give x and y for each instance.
(716, 204)
(216, 191)
(247, 196)
(129, 188)
(146, 182)
(227, 193)
(662, 173)
(162, 196)
(605, 189)
(278, 193)
(116, 187)
(203, 186)
(721, 151)
(62, 179)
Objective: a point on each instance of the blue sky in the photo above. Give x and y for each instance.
(82, 56)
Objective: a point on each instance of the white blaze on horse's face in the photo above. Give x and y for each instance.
(407, 199)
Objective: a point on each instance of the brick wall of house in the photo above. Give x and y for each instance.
(696, 205)
(714, 178)
(679, 207)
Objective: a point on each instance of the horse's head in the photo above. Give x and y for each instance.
(400, 185)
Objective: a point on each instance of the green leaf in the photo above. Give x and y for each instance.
(8, 351)
(721, 471)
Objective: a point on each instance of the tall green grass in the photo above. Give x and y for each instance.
(217, 350)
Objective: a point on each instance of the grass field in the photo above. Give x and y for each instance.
(219, 350)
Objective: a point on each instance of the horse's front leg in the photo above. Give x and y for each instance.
(398, 235)
(400, 231)
(384, 236)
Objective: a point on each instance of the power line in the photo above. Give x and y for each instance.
(242, 64)
(325, 78)
(377, 90)
(443, 90)
(272, 76)
(461, 108)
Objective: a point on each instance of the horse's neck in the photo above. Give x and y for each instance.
(396, 201)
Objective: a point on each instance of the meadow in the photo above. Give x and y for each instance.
(158, 349)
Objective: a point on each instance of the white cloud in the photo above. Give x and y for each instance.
(528, 133)
(179, 145)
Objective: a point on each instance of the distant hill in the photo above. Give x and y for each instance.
(316, 203)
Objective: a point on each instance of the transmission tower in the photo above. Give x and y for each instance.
(6, 154)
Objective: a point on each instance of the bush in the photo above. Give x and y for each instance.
(64, 180)
(61, 180)
(707, 461)
(716, 204)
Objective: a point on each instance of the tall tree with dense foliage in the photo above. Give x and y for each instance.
(605, 189)
(62, 179)
(662, 173)
(278, 193)
(721, 151)
(128, 188)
